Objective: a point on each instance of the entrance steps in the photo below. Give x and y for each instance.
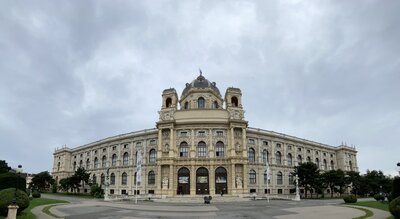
(200, 199)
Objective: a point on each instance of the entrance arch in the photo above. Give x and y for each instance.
(202, 181)
(183, 181)
(221, 185)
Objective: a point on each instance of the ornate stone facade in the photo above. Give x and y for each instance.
(204, 147)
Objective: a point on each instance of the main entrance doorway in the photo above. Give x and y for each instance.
(202, 181)
(221, 185)
(183, 181)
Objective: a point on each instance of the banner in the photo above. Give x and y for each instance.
(139, 167)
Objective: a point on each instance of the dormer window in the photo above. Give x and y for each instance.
(200, 103)
(215, 105)
(168, 102)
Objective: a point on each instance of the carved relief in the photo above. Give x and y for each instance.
(236, 114)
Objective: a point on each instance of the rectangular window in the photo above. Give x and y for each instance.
(201, 133)
(220, 133)
(104, 150)
(114, 147)
(265, 143)
(266, 191)
(279, 191)
(111, 191)
(299, 149)
(251, 141)
(183, 133)
(125, 146)
(123, 192)
(253, 190)
(278, 145)
(151, 192)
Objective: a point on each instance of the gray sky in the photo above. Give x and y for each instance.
(73, 72)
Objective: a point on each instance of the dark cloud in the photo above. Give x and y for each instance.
(77, 72)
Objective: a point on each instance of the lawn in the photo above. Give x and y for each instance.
(27, 214)
(375, 204)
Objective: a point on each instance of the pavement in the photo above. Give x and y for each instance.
(275, 209)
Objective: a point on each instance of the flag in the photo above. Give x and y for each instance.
(139, 167)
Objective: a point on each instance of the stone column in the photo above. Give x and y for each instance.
(211, 182)
(12, 211)
(159, 179)
(192, 180)
(232, 187)
(171, 180)
(232, 143)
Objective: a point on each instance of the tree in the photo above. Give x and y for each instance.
(396, 187)
(69, 183)
(309, 176)
(377, 182)
(41, 181)
(82, 176)
(334, 180)
(4, 168)
(355, 181)
(10, 180)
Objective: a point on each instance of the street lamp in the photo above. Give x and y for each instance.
(18, 171)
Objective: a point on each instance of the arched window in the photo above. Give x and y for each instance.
(152, 156)
(308, 160)
(278, 158)
(102, 179)
(112, 179)
(219, 149)
(114, 160)
(289, 159)
(124, 180)
(252, 177)
(96, 162)
(279, 178)
(252, 155)
(291, 179)
(168, 102)
(80, 163)
(94, 179)
(265, 159)
(152, 178)
(234, 101)
(215, 105)
(74, 165)
(87, 164)
(104, 161)
(332, 165)
(58, 166)
(186, 106)
(317, 162)
(325, 165)
(201, 149)
(125, 159)
(183, 149)
(200, 103)
(350, 165)
(299, 160)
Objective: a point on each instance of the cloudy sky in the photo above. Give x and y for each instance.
(73, 72)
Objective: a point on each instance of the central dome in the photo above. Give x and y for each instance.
(200, 82)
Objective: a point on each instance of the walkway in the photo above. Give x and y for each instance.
(276, 209)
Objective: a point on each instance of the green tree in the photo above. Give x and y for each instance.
(4, 168)
(376, 182)
(309, 176)
(396, 187)
(10, 180)
(334, 180)
(41, 181)
(82, 176)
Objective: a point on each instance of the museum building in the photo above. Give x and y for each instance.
(201, 145)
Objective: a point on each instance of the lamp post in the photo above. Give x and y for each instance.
(18, 171)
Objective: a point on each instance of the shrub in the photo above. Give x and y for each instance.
(396, 187)
(394, 207)
(379, 197)
(96, 191)
(350, 199)
(10, 180)
(54, 188)
(6, 197)
(36, 194)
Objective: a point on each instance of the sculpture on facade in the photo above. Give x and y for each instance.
(165, 182)
(238, 182)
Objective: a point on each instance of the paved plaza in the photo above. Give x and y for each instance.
(275, 209)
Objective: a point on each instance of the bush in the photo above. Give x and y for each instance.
(394, 207)
(6, 197)
(350, 199)
(96, 191)
(10, 180)
(379, 197)
(54, 188)
(36, 194)
(396, 187)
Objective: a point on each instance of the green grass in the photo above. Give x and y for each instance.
(375, 204)
(367, 212)
(27, 214)
(78, 195)
(47, 211)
